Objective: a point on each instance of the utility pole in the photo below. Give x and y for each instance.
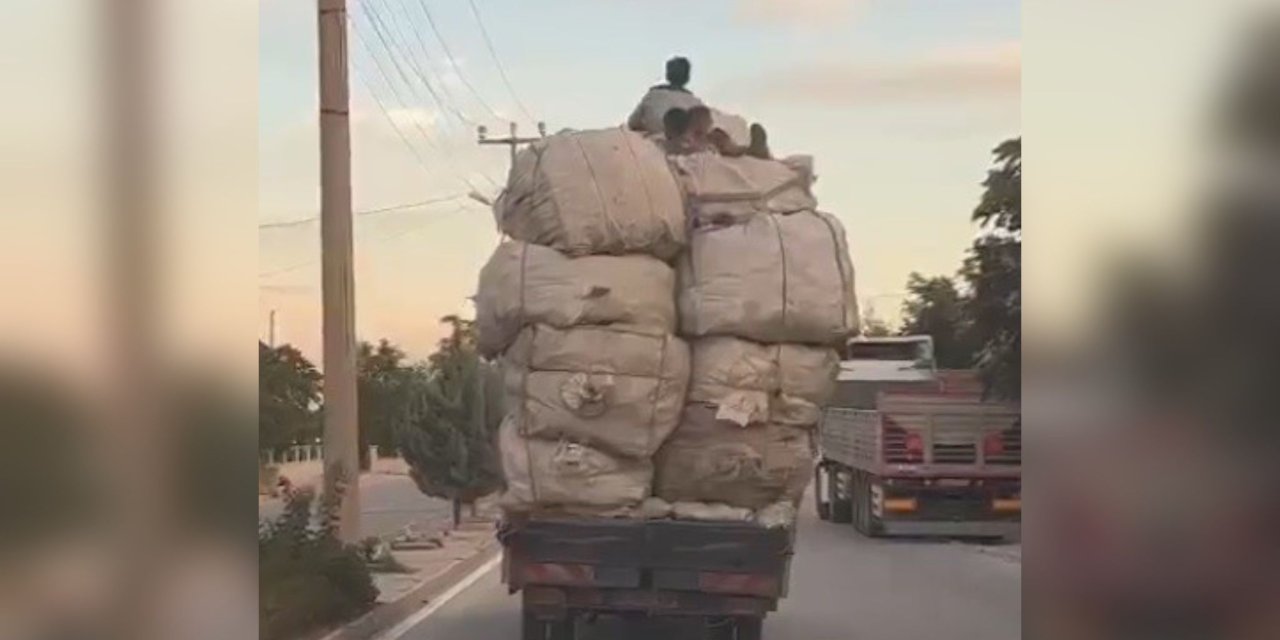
(337, 277)
(512, 140)
(271, 330)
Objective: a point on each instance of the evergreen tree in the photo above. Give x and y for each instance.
(448, 427)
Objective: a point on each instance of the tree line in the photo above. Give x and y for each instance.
(441, 414)
(975, 318)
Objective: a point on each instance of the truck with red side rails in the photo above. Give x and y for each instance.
(907, 449)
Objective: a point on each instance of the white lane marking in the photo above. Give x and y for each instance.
(415, 618)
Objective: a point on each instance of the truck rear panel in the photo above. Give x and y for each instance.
(940, 463)
(657, 567)
(957, 437)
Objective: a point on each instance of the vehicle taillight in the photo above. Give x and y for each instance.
(738, 583)
(993, 444)
(561, 574)
(914, 444)
(900, 445)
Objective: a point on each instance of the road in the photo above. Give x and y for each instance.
(843, 587)
(388, 503)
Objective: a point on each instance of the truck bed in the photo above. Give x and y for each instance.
(656, 566)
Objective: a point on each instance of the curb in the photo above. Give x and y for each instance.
(388, 615)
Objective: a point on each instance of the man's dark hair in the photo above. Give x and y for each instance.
(678, 69)
(700, 113)
(675, 122)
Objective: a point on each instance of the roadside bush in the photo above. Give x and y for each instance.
(307, 578)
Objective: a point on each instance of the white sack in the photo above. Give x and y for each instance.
(653, 509)
(723, 190)
(775, 278)
(606, 191)
(564, 475)
(619, 391)
(749, 382)
(779, 515)
(711, 511)
(709, 460)
(524, 284)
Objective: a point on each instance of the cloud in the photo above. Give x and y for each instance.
(796, 12)
(972, 74)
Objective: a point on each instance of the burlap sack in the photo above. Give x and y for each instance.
(737, 127)
(562, 475)
(773, 279)
(748, 382)
(607, 191)
(525, 284)
(709, 460)
(615, 390)
(723, 190)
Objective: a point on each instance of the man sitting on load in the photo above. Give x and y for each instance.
(648, 115)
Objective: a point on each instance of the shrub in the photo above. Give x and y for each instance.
(308, 578)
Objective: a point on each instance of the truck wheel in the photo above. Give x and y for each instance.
(738, 628)
(841, 503)
(864, 520)
(536, 629)
(748, 628)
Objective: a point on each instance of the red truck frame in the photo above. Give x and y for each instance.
(728, 575)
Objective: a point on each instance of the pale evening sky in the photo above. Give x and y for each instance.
(900, 102)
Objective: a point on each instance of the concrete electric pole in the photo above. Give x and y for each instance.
(271, 329)
(513, 140)
(337, 277)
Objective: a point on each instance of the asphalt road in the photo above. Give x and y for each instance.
(388, 503)
(843, 587)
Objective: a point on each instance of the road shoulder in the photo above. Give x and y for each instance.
(464, 553)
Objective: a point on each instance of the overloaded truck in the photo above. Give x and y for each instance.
(668, 328)
(907, 449)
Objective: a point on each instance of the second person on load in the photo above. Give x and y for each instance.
(703, 135)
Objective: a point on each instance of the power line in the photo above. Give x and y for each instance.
(376, 24)
(497, 62)
(447, 103)
(419, 227)
(367, 212)
(453, 61)
(386, 114)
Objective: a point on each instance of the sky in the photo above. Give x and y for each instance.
(899, 101)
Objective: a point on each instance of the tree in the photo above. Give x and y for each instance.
(447, 430)
(380, 386)
(288, 397)
(934, 307)
(993, 272)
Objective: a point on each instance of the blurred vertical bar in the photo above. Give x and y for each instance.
(135, 530)
(337, 279)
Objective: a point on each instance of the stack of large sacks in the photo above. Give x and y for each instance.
(765, 294)
(580, 306)
(610, 413)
